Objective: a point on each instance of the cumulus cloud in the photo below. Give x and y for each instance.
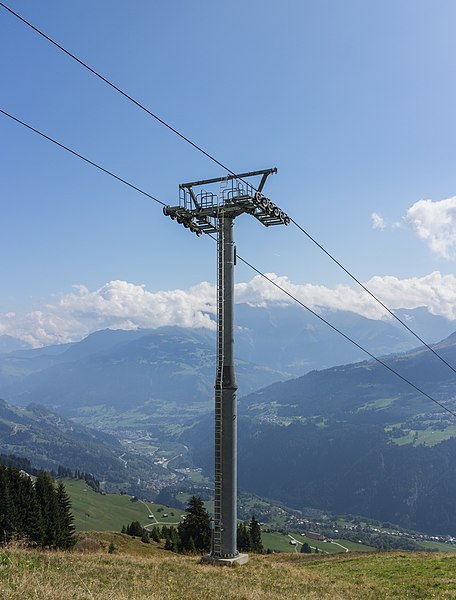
(378, 222)
(435, 223)
(123, 305)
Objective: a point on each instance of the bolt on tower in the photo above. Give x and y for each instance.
(203, 211)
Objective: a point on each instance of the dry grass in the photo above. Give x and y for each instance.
(139, 572)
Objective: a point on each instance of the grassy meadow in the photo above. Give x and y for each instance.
(138, 571)
(94, 512)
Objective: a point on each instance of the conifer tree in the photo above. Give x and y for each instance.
(196, 526)
(29, 511)
(244, 541)
(47, 500)
(6, 508)
(173, 541)
(13, 485)
(65, 520)
(135, 529)
(255, 535)
(145, 537)
(305, 548)
(191, 546)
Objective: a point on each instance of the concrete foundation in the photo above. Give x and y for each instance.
(240, 559)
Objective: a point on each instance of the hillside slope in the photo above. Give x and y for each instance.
(147, 572)
(166, 375)
(50, 440)
(354, 439)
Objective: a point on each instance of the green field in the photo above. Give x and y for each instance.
(146, 572)
(281, 543)
(437, 546)
(94, 512)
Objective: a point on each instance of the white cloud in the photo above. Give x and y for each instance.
(123, 305)
(435, 223)
(378, 221)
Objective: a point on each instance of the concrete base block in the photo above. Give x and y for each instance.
(240, 559)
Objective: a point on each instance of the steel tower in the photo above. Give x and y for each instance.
(206, 212)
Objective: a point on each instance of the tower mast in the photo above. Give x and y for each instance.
(205, 212)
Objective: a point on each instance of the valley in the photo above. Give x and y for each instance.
(347, 440)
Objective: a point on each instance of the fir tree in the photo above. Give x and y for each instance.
(255, 536)
(191, 546)
(29, 512)
(65, 520)
(196, 526)
(305, 548)
(6, 508)
(154, 534)
(135, 529)
(47, 500)
(145, 537)
(173, 541)
(244, 541)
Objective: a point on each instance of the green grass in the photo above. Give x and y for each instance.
(437, 546)
(427, 437)
(94, 512)
(277, 542)
(197, 477)
(377, 404)
(281, 543)
(145, 571)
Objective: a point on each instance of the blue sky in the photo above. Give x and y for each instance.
(352, 101)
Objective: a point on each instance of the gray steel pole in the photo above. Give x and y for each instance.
(216, 215)
(229, 402)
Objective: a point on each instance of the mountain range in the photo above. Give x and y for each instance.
(351, 438)
(167, 374)
(355, 439)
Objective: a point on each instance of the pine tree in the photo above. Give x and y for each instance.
(65, 521)
(191, 546)
(305, 548)
(29, 511)
(6, 529)
(145, 537)
(155, 535)
(135, 529)
(196, 526)
(255, 536)
(47, 500)
(13, 491)
(244, 541)
(173, 541)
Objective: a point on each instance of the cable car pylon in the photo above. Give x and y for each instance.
(203, 211)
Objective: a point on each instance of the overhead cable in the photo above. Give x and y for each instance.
(392, 313)
(215, 160)
(247, 263)
(118, 89)
(348, 338)
(94, 164)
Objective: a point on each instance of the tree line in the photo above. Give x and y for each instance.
(38, 512)
(90, 479)
(194, 533)
(23, 464)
